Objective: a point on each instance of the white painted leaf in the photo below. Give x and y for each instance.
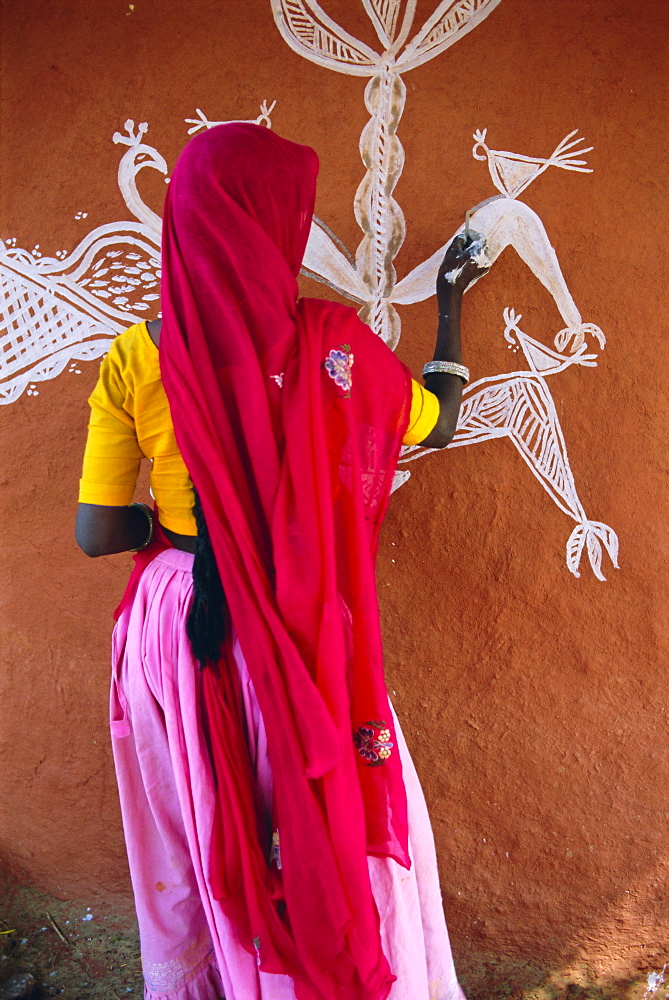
(399, 478)
(451, 20)
(323, 258)
(595, 553)
(575, 548)
(609, 538)
(309, 31)
(383, 15)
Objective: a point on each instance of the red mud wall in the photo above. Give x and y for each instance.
(534, 702)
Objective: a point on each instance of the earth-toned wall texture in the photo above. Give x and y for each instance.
(529, 672)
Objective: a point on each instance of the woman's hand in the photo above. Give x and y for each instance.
(466, 260)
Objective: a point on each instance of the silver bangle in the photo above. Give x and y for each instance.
(149, 516)
(447, 368)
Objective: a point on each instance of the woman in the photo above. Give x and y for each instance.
(263, 781)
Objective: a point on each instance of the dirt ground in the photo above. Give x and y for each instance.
(493, 978)
(78, 952)
(72, 951)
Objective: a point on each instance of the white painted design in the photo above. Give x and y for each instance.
(138, 156)
(654, 982)
(63, 309)
(506, 222)
(517, 405)
(67, 308)
(202, 122)
(512, 172)
(55, 311)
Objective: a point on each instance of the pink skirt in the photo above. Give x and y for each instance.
(190, 950)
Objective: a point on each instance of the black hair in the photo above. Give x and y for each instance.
(208, 618)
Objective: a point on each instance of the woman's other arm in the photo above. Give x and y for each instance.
(465, 261)
(102, 531)
(106, 521)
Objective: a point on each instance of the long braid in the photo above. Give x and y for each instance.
(208, 617)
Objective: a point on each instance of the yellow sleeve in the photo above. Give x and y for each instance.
(112, 456)
(424, 414)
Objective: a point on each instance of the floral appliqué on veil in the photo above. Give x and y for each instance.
(372, 741)
(338, 365)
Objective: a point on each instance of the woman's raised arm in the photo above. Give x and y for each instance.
(465, 262)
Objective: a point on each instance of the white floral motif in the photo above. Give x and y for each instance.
(161, 976)
(338, 365)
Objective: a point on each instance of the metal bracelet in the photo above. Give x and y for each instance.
(149, 516)
(447, 368)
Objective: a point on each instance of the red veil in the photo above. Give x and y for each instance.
(289, 416)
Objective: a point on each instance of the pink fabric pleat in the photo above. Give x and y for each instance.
(190, 949)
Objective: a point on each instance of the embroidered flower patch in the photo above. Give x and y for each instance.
(338, 365)
(275, 852)
(372, 741)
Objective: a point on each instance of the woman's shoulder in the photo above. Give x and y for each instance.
(132, 349)
(131, 360)
(341, 330)
(135, 338)
(326, 310)
(338, 320)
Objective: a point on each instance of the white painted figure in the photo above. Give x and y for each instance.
(55, 310)
(518, 406)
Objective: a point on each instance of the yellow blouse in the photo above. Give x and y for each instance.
(130, 420)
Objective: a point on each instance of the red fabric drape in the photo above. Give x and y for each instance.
(289, 416)
(141, 559)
